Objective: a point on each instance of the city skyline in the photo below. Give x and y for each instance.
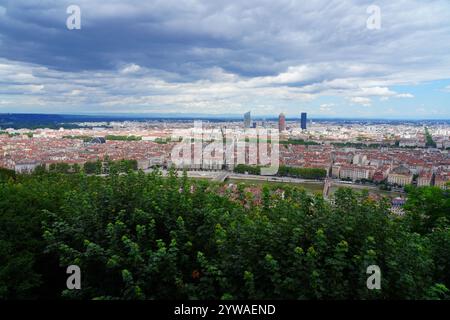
(227, 116)
(212, 58)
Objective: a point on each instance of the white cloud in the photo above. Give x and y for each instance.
(376, 91)
(224, 93)
(361, 100)
(404, 95)
(35, 88)
(131, 68)
(75, 92)
(220, 91)
(327, 108)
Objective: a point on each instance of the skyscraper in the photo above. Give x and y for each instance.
(303, 121)
(281, 122)
(247, 120)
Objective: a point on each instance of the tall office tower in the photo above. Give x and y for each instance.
(247, 120)
(281, 122)
(303, 121)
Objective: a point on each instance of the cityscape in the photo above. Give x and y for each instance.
(225, 158)
(381, 154)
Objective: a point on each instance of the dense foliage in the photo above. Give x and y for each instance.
(299, 142)
(99, 166)
(429, 139)
(123, 138)
(5, 174)
(285, 171)
(243, 168)
(303, 173)
(359, 145)
(90, 167)
(80, 137)
(138, 236)
(107, 137)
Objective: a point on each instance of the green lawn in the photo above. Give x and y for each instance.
(310, 187)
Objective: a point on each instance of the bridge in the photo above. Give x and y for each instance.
(221, 177)
(326, 188)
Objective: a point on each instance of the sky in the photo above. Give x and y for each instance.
(323, 57)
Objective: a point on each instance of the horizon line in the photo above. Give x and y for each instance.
(223, 116)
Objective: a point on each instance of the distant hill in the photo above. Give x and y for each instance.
(56, 121)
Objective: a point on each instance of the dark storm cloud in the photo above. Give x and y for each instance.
(250, 38)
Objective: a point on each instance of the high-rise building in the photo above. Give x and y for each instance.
(303, 121)
(247, 120)
(281, 122)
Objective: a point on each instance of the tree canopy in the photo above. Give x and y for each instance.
(145, 236)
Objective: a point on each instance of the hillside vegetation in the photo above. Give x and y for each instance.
(144, 236)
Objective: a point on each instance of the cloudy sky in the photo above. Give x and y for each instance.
(227, 57)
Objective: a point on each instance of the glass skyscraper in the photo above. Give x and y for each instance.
(247, 120)
(303, 121)
(281, 122)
